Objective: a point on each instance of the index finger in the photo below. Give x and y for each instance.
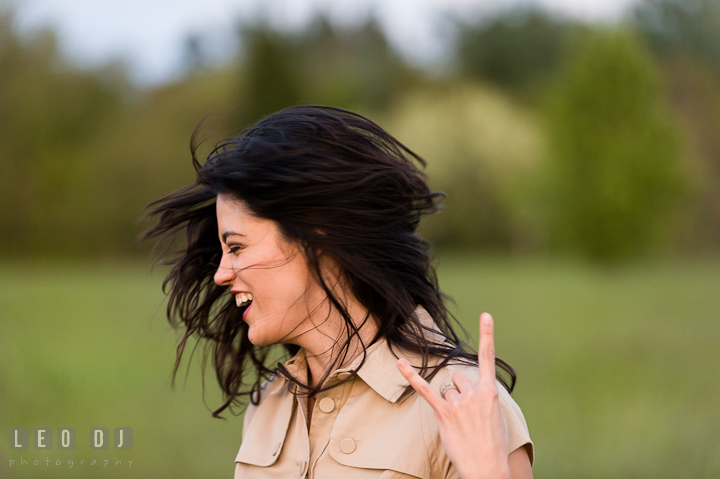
(420, 385)
(486, 350)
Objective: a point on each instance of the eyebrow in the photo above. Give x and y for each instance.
(230, 233)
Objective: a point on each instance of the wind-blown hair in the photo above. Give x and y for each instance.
(336, 183)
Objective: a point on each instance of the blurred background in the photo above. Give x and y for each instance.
(578, 144)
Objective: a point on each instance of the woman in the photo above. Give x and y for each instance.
(299, 239)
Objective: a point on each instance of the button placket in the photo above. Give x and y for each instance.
(328, 409)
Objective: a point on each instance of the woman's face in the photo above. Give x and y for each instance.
(258, 262)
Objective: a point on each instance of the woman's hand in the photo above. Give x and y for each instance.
(472, 430)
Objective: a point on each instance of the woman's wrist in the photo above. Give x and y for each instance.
(488, 473)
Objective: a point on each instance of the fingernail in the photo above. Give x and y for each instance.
(486, 319)
(402, 363)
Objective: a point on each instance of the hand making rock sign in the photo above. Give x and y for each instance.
(472, 430)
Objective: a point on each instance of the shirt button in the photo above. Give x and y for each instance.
(344, 376)
(326, 405)
(347, 445)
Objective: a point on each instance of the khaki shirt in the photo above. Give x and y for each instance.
(359, 429)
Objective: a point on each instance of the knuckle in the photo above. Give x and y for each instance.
(489, 390)
(443, 415)
(458, 377)
(424, 390)
(488, 352)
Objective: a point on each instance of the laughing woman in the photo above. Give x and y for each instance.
(299, 240)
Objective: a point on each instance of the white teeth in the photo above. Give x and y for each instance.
(243, 299)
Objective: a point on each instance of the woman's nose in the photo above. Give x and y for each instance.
(225, 272)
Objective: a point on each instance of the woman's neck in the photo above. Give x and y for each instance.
(325, 342)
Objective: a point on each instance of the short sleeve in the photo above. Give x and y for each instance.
(518, 434)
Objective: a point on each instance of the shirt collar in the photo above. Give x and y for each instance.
(380, 370)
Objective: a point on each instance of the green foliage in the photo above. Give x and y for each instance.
(615, 150)
(354, 69)
(47, 113)
(686, 37)
(682, 27)
(516, 49)
(271, 74)
(482, 150)
(695, 97)
(82, 151)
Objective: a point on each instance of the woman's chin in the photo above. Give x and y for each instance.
(257, 338)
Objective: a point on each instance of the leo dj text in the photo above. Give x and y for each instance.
(66, 438)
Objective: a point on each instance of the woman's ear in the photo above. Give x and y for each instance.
(318, 252)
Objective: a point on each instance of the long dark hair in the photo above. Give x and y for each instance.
(334, 182)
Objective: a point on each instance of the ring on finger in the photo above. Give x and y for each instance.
(446, 387)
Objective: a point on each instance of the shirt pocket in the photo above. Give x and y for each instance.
(266, 452)
(265, 436)
(377, 457)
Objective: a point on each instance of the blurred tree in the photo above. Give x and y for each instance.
(82, 151)
(48, 110)
(682, 27)
(272, 71)
(142, 154)
(615, 150)
(483, 151)
(354, 68)
(517, 49)
(695, 96)
(686, 37)
(194, 58)
(351, 68)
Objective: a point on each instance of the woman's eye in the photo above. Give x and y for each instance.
(235, 249)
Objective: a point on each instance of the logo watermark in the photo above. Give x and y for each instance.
(66, 439)
(70, 463)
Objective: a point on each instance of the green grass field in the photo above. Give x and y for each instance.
(619, 369)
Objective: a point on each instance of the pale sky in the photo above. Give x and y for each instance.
(149, 34)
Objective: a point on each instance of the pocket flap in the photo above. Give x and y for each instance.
(403, 457)
(266, 433)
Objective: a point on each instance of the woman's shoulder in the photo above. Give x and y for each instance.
(274, 386)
